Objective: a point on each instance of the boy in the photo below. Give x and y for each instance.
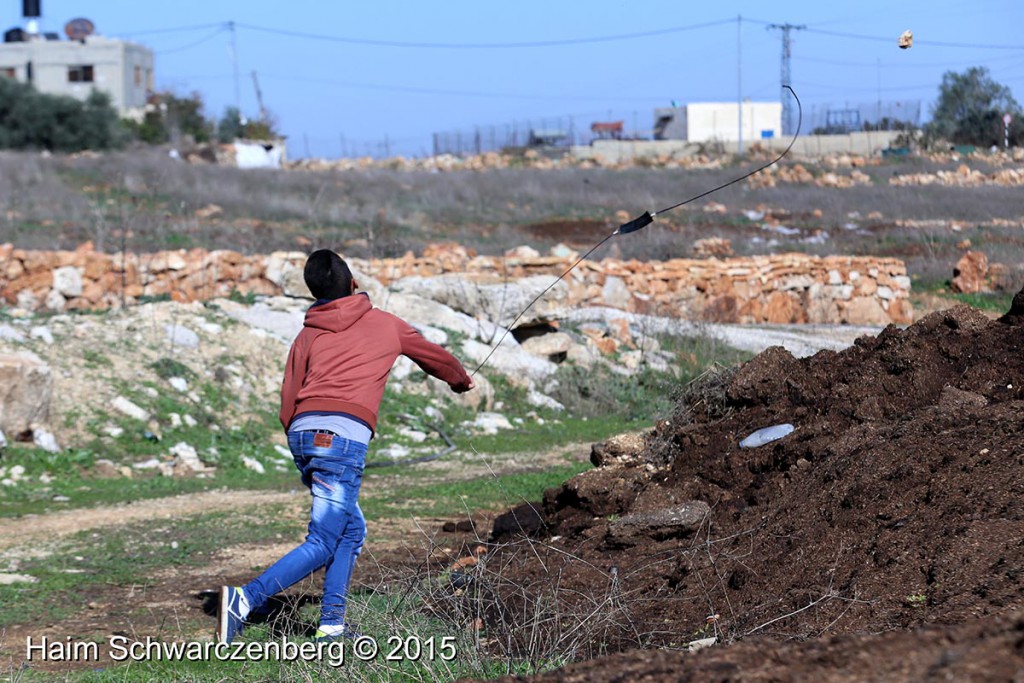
(333, 384)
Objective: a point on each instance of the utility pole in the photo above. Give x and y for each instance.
(787, 53)
(259, 98)
(739, 82)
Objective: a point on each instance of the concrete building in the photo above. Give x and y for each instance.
(122, 69)
(718, 122)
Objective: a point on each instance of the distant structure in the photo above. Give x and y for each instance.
(78, 64)
(606, 130)
(717, 121)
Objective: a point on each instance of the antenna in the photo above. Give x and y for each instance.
(787, 53)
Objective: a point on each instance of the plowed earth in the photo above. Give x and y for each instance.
(891, 520)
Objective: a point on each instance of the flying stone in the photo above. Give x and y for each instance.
(906, 39)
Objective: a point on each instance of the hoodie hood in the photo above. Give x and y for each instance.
(339, 314)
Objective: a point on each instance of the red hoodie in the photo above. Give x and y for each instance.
(341, 360)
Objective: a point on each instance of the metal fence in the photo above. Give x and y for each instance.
(848, 117)
(548, 132)
(563, 131)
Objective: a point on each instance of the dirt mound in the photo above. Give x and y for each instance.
(897, 502)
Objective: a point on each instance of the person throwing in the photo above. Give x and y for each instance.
(333, 385)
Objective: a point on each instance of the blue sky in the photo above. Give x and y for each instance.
(345, 76)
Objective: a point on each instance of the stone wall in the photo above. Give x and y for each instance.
(784, 288)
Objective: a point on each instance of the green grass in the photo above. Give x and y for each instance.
(129, 556)
(456, 498)
(92, 561)
(996, 302)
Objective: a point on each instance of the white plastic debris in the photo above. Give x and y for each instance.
(766, 435)
(700, 644)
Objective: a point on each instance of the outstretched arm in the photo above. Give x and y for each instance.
(433, 359)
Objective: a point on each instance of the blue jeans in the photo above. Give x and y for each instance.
(332, 469)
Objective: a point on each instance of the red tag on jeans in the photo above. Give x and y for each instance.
(323, 440)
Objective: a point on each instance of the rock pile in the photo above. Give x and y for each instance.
(963, 176)
(785, 288)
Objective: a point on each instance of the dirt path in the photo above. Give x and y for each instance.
(53, 525)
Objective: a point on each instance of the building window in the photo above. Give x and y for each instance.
(80, 74)
(8, 71)
(138, 75)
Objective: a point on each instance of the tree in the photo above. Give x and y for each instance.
(230, 126)
(33, 120)
(970, 109)
(233, 126)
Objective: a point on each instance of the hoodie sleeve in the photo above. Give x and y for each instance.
(433, 359)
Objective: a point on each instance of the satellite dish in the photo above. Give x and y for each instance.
(79, 29)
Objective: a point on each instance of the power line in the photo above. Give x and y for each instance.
(483, 46)
(189, 46)
(176, 29)
(917, 41)
(462, 93)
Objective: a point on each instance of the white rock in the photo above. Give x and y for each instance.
(45, 440)
(9, 333)
(394, 451)
(402, 368)
(43, 333)
(148, 464)
(179, 335)
(27, 300)
(7, 579)
(547, 345)
(535, 398)
(179, 383)
(113, 430)
(17, 472)
(413, 434)
(67, 281)
(55, 301)
(615, 293)
(253, 464)
(434, 335)
(211, 328)
(489, 423)
(151, 392)
(27, 387)
(520, 367)
(283, 452)
(175, 420)
(189, 420)
(6, 482)
(45, 478)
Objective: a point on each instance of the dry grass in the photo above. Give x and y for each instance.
(148, 201)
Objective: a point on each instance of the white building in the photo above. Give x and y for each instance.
(122, 69)
(718, 121)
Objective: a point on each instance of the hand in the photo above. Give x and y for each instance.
(463, 388)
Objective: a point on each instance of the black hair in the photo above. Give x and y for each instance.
(327, 275)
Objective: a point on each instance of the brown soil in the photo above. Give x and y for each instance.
(896, 504)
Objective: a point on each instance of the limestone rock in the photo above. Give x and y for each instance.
(26, 388)
(970, 273)
(553, 346)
